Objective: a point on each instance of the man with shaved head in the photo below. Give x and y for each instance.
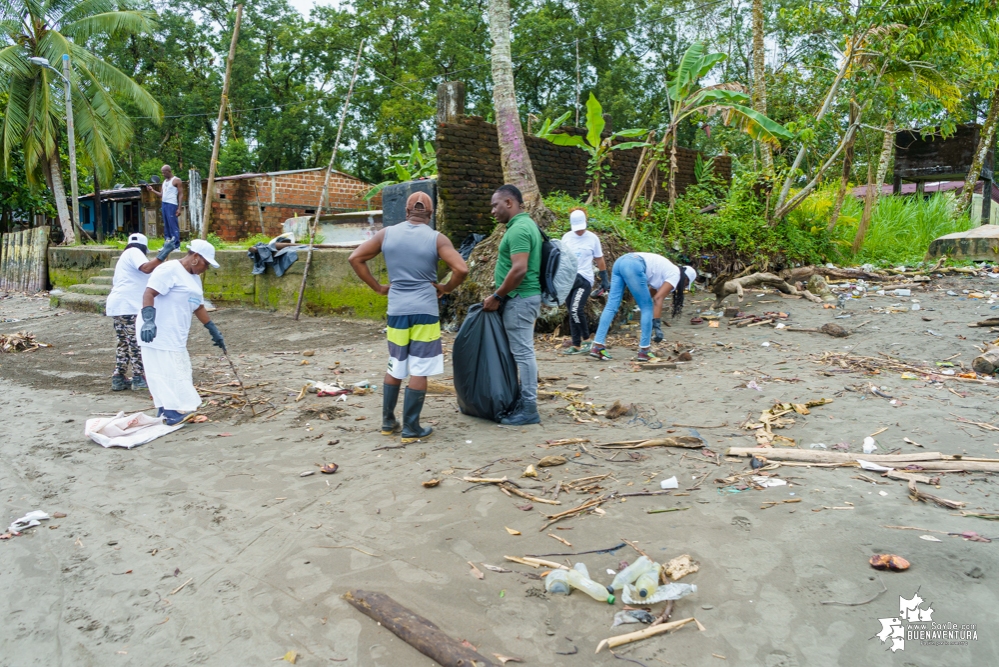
(171, 195)
(411, 250)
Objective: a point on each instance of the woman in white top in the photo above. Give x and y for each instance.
(586, 246)
(124, 303)
(649, 278)
(172, 295)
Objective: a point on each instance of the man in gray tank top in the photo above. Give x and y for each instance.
(411, 250)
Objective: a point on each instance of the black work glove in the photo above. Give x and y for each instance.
(216, 334)
(168, 247)
(148, 331)
(604, 280)
(657, 330)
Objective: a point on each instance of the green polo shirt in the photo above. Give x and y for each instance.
(522, 235)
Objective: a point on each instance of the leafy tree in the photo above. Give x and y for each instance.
(50, 29)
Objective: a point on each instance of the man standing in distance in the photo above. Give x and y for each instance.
(172, 195)
(518, 291)
(411, 250)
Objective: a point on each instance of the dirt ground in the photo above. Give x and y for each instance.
(207, 546)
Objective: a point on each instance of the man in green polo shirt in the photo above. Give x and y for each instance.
(518, 291)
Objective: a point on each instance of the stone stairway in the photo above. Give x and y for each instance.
(88, 297)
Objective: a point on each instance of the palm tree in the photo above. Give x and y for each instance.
(35, 109)
(517, 167)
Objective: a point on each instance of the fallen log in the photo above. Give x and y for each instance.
(737, 286)
(987, 363)
(415, 630)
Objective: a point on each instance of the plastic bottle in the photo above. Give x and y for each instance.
(629, 574)
(647, 583)
(557, 581)
(593, 589)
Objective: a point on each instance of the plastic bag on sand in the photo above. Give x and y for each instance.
(29, 520)
(485, 373)
(672, 591)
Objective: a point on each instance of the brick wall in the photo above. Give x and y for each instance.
(234, 207)
(469, 170)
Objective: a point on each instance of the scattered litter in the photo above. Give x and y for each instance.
(769, 481)
(817, 445)
(22, 341)
(873, 467)
(681, 566)
(670, 591)
(307, 473)
(632, 616)
(127, 431)
(529, 472)
(930, 538)
(670, 483)
(512, 531)
(430, 483)
(329, 468)
(889, 562)
(869, 445)
(550, 461)
(29, 520)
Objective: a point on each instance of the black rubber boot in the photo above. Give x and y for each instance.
(411, 407)
(390, 396)
(118, 383)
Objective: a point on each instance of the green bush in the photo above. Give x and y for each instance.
(640, 233)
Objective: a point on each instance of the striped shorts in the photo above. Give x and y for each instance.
(414, 343)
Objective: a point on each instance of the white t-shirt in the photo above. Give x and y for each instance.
(659, 270)
(180, 294)
(129, 284)
(586, 246)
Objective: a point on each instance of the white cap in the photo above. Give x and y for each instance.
(205, 249)
(691, 275)
(577, 220)
(138, 238)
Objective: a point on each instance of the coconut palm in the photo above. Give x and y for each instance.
(35, 105)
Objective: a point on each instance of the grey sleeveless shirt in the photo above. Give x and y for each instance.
(410, 253)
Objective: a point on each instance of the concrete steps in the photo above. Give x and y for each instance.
(81, 303)
(91, 288)
(108, 272)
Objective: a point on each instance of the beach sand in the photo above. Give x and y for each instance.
(208, 547)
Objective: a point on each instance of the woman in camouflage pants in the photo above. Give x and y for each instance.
(128, 349)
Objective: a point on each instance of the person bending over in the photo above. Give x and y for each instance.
(649, 278)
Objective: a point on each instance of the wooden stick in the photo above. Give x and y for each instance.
(210, 190)
(687, 441)
(782, 454)
(536, 562)
(613, 642)
(523, 494)
(179, 588)
(485, 480)
(415, 630)
(326, 184)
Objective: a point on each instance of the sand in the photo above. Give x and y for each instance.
(266, 554)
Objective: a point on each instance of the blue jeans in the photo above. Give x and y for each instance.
(171, 227)
(629, 271)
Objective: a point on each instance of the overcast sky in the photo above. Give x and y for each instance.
(304, 6)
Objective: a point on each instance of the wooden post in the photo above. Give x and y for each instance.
(920, 189)
(98, 213)
(896, 185)
(326, 183)
(986, 201)
(210, 190)
(450, 101)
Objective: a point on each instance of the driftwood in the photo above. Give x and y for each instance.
(612, 642)
(988, 322)
(803, 273)
(687, 441)
(737, 286)
(415, 630)
(988, 362)
(829, 328)
(916, 494)
(928, 461)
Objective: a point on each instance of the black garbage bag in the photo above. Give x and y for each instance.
(485, 372)
(468, 245)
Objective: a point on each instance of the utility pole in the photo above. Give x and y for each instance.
(71, 137)
(210, 191)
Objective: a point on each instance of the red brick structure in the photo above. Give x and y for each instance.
(281, 195)
(240, 201)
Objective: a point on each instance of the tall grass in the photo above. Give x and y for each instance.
(900, 232)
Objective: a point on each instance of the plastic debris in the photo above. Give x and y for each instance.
(869, 445)
(29, 520)
(632, 616)
(670, 483)
(671, 591)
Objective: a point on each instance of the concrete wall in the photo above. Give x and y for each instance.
(332, 288)
(469, 170)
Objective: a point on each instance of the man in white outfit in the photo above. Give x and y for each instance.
(172, 295)
(172, 195)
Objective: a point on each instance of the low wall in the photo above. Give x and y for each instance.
(332, 288)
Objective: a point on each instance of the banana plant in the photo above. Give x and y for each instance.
(547, 129)
(598, 146)
(409, 166)
(687, 99)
